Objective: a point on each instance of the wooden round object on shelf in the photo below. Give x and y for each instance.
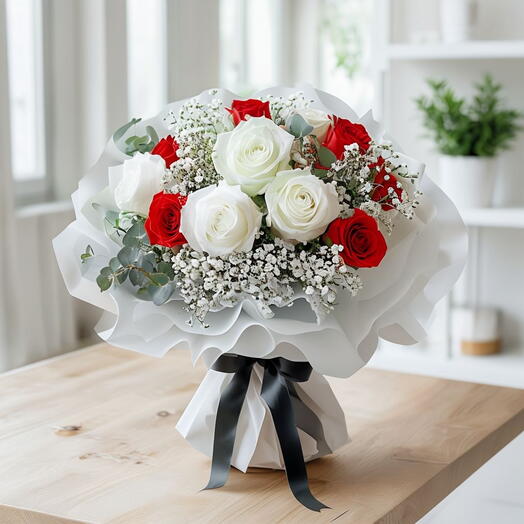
(476, 348)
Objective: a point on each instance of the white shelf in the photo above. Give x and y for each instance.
(460, 51)
(504, 369)
(494, 217)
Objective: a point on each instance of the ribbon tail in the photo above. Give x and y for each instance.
(276, 395)
(308, 421)
(228, 413)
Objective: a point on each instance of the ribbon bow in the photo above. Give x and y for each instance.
(288, 412)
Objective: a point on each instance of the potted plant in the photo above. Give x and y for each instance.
(468, 136)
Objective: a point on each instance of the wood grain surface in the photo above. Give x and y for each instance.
(91, 437)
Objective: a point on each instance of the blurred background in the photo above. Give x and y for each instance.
(71, 72)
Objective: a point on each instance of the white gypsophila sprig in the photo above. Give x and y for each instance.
(195, 128)
(355, 175)
(269, 274)
(282, 107)
(322, 274)
(209, 283)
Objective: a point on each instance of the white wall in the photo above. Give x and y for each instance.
(501, 250)
(496, 19)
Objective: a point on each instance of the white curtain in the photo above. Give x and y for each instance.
(10, 307)
(37, 316)
(86, 45)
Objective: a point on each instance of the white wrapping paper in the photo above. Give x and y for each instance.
(425, 257)
(256, 440)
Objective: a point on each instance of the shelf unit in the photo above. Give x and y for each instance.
(503, 369)
(474, 50)
(432, 358)
(512, 217)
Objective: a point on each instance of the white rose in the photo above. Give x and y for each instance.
(318, 120)
(141, 180)
(220, 220)
(300, 206)
(251, 155)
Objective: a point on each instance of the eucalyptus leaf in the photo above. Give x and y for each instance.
(104, 283)
(111, 225)
(161, 294)
(136, 277)
(147, 261)
(319, 173)
(131, 139)
(128, 255)
(326, 156)
(137, 229)
(115, 264)
(166, 268)
(121, 278)
(106, 271)
(153, 134)
(260, 201)
(112, 216)
(143, 293)
(130, 241)
(298, 127)
(142, 144)
(121, 131)
(88, 253)
(159, 279)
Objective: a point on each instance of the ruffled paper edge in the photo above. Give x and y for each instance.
(434, 254)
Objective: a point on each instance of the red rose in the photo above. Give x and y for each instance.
(167, 148)
(344, 133)
(381, 191)
(163, 223)
(363, 243)
(240, 108)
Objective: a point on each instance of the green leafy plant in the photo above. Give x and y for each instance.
(481, 127)
(135, 144)
(343, 24)
(139, 262)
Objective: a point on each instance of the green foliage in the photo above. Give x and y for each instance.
(298, 127)
(142, 264)
(260, 201)
(326, 157)
(134, 144)
(87, 254)
(121, 131)
(482, 127)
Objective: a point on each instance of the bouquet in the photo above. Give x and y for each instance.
(277, 237)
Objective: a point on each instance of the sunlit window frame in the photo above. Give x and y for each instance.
(37, 189)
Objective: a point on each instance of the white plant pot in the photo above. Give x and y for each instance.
(475, 331)
(508, 185)
(457, 20)
(468, 180)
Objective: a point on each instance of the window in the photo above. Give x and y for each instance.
(249, 44)
(26, 92)
(324, 42)
(146, 57)
(345, 62)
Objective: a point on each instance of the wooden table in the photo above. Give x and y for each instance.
(414, 440)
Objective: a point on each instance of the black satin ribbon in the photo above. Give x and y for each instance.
(279, 393)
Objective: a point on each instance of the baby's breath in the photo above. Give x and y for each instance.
(274, 272)
(283, 107)
(270, 274)
(195, 128)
